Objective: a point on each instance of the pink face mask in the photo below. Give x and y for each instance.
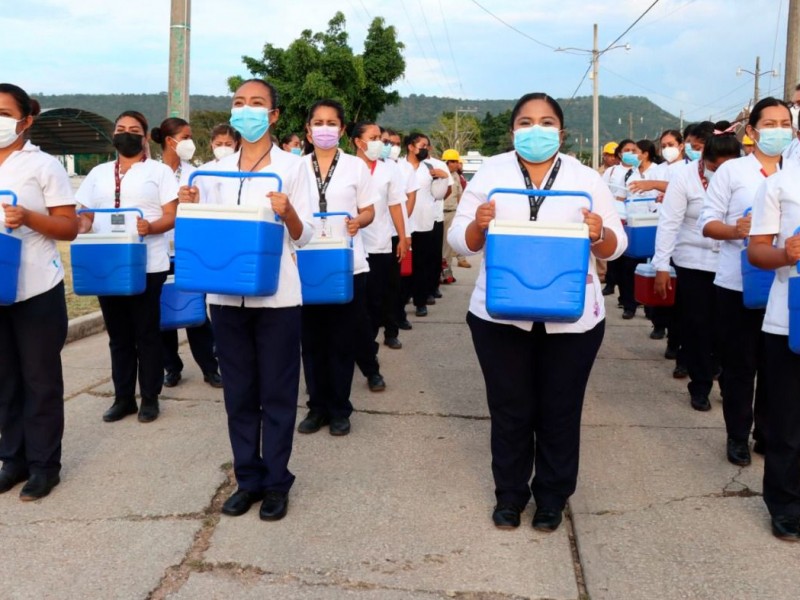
(325, 137)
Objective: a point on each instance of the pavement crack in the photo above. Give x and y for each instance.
(577, 563)
(422, 413)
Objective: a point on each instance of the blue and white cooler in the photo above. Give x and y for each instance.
(756, 282)
(228, 249)
(537, 271)
(326, 267)
(10, 257)
(640, 227)
(181, 309)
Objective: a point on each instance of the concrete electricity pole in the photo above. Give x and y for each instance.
(792, 73)
(179, 34)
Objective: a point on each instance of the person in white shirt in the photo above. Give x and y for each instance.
(680, 242)
(536, 373)
(434, 184)
(775, 245)
(291, 143)
(174, 135)
(258, 337)
(133, 322)
(33, 325)
(225, 140)
(330, 341)
(729, 194)
(384, 260)
(792, 151)
(616, 178)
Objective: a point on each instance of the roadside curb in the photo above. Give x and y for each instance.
(84, 326)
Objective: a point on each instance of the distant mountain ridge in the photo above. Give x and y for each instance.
(415, 112)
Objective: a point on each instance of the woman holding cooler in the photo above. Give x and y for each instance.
(258, 338)
(729, 194)
(330, 338)
(133, 322)
(536, 373)
(776, 216)
(175, 138)
(34, 327)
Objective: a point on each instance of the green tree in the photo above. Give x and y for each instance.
(496, 133)
(468, 136)
(323, 65)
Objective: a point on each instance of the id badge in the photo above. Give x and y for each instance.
(118, 223)
(325, 230)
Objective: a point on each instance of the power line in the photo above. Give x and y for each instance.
(416, 37)
(435, 48)
(632, 25)
(450, 45)
(775, 44)
(510, 26)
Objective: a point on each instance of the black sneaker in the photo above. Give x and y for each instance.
(213, 379)
(658, 333)
(376, 383)
(172, 378)
(700, 403)
(313, 422)
(680, 372)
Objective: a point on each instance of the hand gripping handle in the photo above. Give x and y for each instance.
(114, 210)
(14, 200)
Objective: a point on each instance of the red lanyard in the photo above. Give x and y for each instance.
(701, 171)
(118, 181)
(780, 166)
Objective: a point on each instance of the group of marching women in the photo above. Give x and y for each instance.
(724, 208)
(535, 369)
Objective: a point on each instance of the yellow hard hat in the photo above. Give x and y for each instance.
(451, 154)
(747, 141)
(610, 148)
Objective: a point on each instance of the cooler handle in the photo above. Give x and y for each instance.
(747, 210)
(114, 210)
(540, 193)
(796, 231)
(324, 215)
(238, 175)
(641, 200)
(13, 202)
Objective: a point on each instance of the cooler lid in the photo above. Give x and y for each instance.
(107, 238)
(250, 212)
(537, 228)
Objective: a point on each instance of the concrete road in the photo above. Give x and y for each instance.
(399, 509)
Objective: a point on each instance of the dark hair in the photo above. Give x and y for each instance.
(273, 93)
(288, 138)
(650, 148)
(413, 137)
(388, 131)
(26, 105)
(701, 131)
(797, 88)
(134, 114)
(767, 102)
(723, 145)
(625, 142)
(356, 130)
(537, 96)
(169, 128)
(225, 129)
(674, 133)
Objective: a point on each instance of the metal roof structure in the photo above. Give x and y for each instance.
(64, 131)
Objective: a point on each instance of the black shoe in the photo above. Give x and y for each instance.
(213, 379)
(376, 383)
(608, 290)
(546, 519)
(671, 353)
(313, 422)
(172, 378)
(149, 410)
(658, 333)
(422, 311)
(437, 294)
(38, 486)
(759, 447)
(340, 426)
(786, 528)
(506, 516)
(393, 343)
(680, 372)
(430, 301)
(120, 409)
(274, 506)
(9, 478)
(738, 452)
(405, 325)
(700, 403)
(628, 314)
(240, 502)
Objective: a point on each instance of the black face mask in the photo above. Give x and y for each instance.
(422, 154)
(128, 144)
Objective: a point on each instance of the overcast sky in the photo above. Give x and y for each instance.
(684, 53)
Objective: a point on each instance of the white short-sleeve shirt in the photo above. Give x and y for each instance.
(729, 193)
(182, 174)
(349, 190)
(40, 183)
(503, 170)
(147, 186)
(387, 191)
(430, 196)
(776, 211)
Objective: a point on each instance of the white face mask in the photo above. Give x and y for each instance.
(221, 152)
(8, 131)
(670, 153)
(374, 148)
(394, 153)
(185, 149)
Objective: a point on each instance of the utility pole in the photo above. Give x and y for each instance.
(595, 104)
(179, 34)
(630, 125)
(681, 128)
(792, 75)
(758, 74)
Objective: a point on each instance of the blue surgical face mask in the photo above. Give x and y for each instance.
(385, 151)
(774, 140)
(297, 151)
(692, 154)
(630, 159)
(251, 121)
(537, 144)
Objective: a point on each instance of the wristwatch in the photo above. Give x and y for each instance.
(601, 239)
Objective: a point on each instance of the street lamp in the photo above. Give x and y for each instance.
(471, 109)
(596, 54)
(757, 75)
